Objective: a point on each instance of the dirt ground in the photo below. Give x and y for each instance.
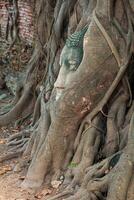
(9, 188)
(10, 181)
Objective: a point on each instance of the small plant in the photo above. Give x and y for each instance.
(73, 165)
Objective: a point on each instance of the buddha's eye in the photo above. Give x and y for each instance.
(66, 63)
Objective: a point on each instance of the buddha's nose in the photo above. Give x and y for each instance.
(60, 82)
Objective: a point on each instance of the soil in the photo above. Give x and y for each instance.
(10, 181)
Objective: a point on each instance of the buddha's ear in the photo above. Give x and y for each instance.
(62, 55)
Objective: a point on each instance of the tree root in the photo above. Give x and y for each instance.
(22, 143)
(114, 124)
(63, 194)
(129, 115)
(16, 143)
(123, 171)
(17, 136)
(82, 194)
(19, 122)
(19, 91)
(19, 108)
(86, 152)
(36, 140)
(37, 113)
(43, 127)
(100, 169)
(28, 150)
(130, 194)
(6, 109)
(12, 155)
(18, 140)
(110, 175)
(123, 137)
(26, 157)
(95, 181)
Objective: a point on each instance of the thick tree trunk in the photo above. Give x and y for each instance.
(82, 123)
(84, 89)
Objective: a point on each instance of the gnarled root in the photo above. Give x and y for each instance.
(12, 154)
(18, 136)
(37, 111)
(115, 121)
(26, 157)
(113, 177)
(16, 112)
(37, 138)
(86, 152)
(122, 173)
(65, 193)
(18, 140)
(94, 182)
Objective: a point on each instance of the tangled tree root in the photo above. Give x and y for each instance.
(63, 194)
(18, 136)
(22, 108)
(18, 140)
(106, 179)
(17, 144)
(26, 157)
(98, 180)
(11, 155)
(86, 151)
(115, 121)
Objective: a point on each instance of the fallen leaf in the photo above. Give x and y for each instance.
(2, 141)
(44, 192)
(56, 184)
(2, 172)
(38, 196)
(7, 168)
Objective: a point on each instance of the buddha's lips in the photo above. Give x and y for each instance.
(62, 88)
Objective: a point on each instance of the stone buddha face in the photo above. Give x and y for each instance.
(70, 59)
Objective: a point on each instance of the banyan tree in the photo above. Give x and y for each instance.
(79, 87)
